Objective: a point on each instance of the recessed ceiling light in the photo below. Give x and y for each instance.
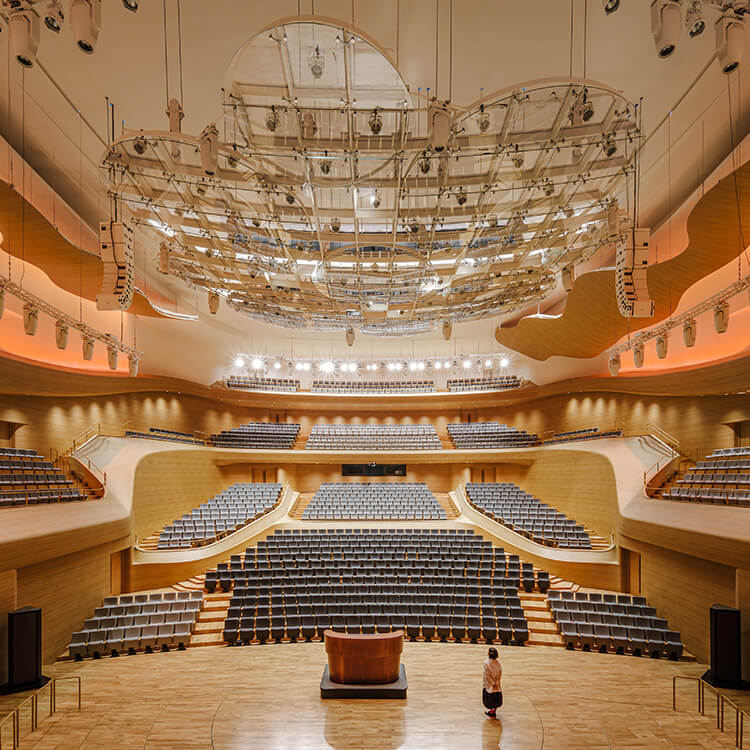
(239, 362)
(467, 364)
(504, 362)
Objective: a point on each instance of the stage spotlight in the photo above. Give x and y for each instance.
(375, 199)
(87, 348)
(447, 365)
(614, 365)
(256, 363)
(665, 25)
(438, 365)
(213, 302)
(327, 367)
(298, 366)
(375, 122)
(488, 363)
(695, 22)
(504, 362)
(306, 366)
(317, 63)
(353, 367)
(421, 366)
(374, 366)
(467, 364)
(397, 366)
(239, 362)
(610, 6)
(112, 357)
(609, 147)
(272, 119)
(412, 366)
(131, 5)
(662, 345)
(689, 332)
(54, 16)
(133, 366)
(139, 145)
(209, 149)
(325, 166)
(30, 320)
(638, 355)
(447, 330)
(61, 334)
(277, 365)
(23, 26)
(413, 226)
(424, 163)
(391, 366)
(86, 21)
(730, 41)
(483, 120)
(461, 196)
(721, 317)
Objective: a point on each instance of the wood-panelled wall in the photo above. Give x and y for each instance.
(168, 484)
(683, 588)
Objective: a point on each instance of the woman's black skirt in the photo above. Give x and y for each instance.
(492, 700)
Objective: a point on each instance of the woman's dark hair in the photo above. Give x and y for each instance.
(492, 653)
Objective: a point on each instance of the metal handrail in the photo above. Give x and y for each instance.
(721, 702)
(15, 714)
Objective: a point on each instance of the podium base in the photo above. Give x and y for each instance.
(397, 689)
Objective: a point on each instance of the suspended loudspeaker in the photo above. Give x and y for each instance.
(61, 334)
(213, 303)
(209, 147)
(447, 330)
(30, 319)
(568, 277)
(133, 367)
(87, 346)
(350, 337)
(689, 331)
(112, 355)
(164, 258)
(614, 365)
(721, 317)
(662, 344)
(638, 355)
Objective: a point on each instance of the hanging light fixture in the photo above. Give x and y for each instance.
(61, 334)
(30, 320)
(87, 347)
(112, 356)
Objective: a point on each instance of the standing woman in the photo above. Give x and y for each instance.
(492, 694)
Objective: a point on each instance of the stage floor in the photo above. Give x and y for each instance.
(269, 697)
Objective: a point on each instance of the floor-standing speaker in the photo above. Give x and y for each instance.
(726, 649)
(24, 650)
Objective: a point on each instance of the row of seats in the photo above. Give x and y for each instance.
(362, 500)
(272, 435)
(435, 583)
(590, 433)
(27, 478)
(609, 622)
(484, 384)
(380, 437)
(723, 478)
(224, 513)
(283, 385)
(374, 386)
(156, 433)
(509, 505)
(137, 622)
(489, 435)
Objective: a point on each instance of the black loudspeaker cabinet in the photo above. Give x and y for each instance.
(24, 650)
(726, 648)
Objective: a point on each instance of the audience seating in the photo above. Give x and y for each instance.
(275, 435)
(357, 500)
(489, 435)
(590, 433)
(723, 477)
(376, 437)
(613, 622)
(375, 386)
(138, 622)
(157, 433)
(509, 505)
(284, 385)
(231, 509)
(26, 478)
(433, 584)
(484, 384)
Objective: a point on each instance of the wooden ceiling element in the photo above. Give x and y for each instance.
(592, 323)
(28, 235)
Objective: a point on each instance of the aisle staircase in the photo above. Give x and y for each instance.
(543, 630)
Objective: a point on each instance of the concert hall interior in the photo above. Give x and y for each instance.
(425, 317)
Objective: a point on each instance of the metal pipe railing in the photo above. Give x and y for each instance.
(33, 701)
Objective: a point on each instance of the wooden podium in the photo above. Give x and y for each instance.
(364, 666)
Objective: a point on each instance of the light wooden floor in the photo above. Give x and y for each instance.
(268, 697)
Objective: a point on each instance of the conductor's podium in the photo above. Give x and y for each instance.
(364, 666)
